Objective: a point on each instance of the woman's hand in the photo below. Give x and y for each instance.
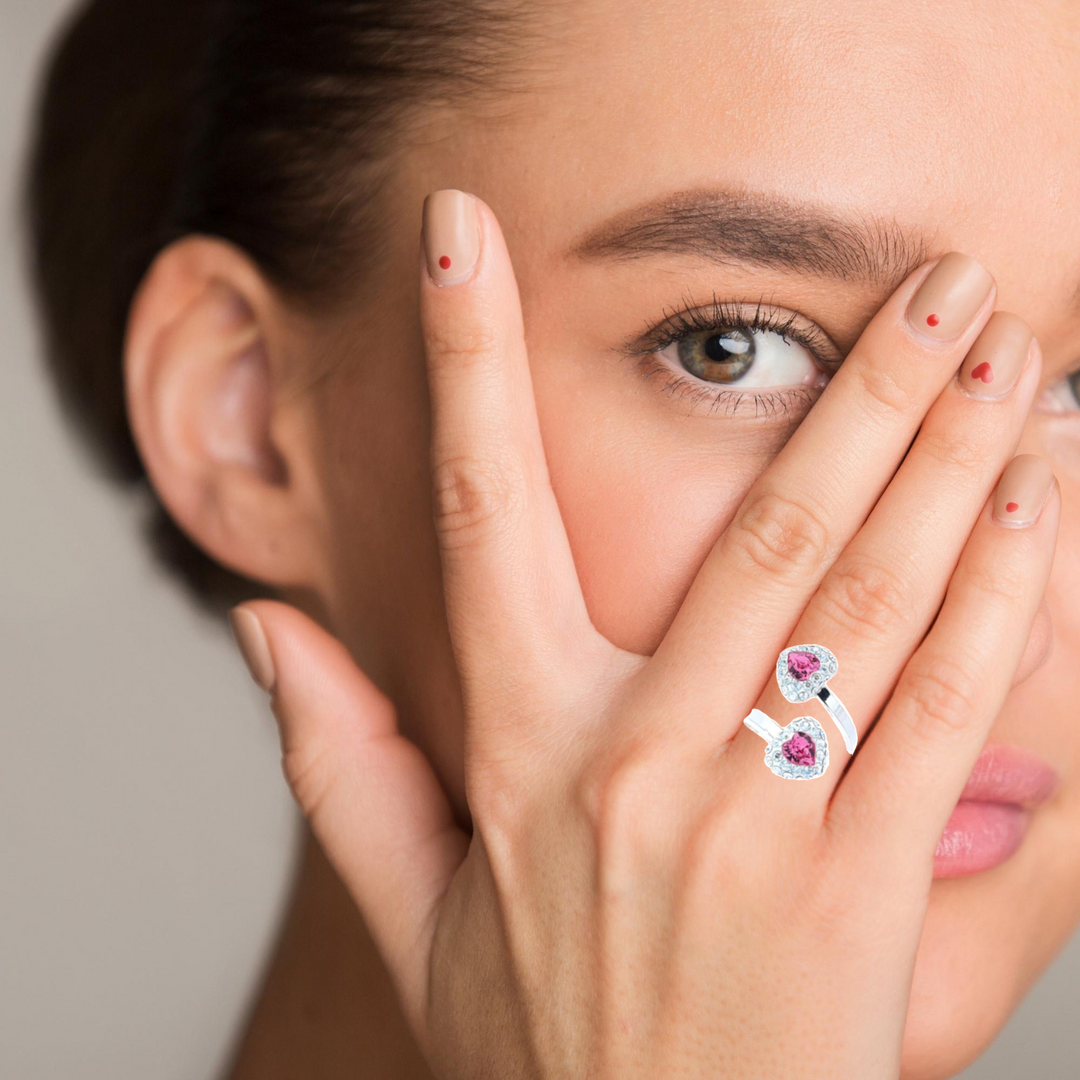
(640, 896)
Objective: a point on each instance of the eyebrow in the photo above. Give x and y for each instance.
(760, 229)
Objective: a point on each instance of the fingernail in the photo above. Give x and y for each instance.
(948, 299)
(993, 364)
(451, 235)
(251, 638)
(1022, 491)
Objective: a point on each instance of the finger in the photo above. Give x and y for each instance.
(805, 507)
(906, 779)
(1039, 645)
(876, 602)
(371, 796)
(514, 606)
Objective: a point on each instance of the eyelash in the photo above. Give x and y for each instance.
(717, 315)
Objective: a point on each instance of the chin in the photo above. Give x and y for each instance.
(970, 974)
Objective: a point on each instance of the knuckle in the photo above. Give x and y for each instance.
(310, 777)
(618, 798)
(461, 347)
(940, 692)
(841, 906)
(956, 450)
(717, 848)
(828, 898)
(605, 788)
(498, 808)
(994, 580)
(778, 535)
(860, 593)
(472, 498)
(878, 382)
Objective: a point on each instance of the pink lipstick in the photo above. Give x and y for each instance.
(992, 816)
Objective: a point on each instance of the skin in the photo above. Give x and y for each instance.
(296, 449)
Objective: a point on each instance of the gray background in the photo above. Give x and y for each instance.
(146, 835)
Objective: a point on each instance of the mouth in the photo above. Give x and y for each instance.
(994, 810)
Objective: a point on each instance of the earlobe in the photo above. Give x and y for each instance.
(200, 385)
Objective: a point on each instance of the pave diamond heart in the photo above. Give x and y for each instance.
(802, 670)
(800, 751)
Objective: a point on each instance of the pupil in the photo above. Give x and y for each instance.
(729, 347)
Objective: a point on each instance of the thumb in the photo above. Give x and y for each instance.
(373, 800)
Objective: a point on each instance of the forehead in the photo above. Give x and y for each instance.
(960, 118)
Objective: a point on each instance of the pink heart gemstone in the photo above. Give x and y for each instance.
(799, 750)
(801, 665)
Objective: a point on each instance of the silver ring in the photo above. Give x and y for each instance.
(799, 751)
(802, 672)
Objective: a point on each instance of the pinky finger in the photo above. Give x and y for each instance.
(905, 780)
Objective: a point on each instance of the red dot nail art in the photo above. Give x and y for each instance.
(444, 262)
(1011, 508)
(932, 320)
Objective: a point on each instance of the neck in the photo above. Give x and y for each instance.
(327, 1008)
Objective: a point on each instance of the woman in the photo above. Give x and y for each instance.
(732, 328)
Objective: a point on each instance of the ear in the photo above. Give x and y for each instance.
(222, 444)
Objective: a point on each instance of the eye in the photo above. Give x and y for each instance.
(741, 355)
(731, 354)
(1062, 396)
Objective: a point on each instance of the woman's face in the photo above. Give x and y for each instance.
(919, 128)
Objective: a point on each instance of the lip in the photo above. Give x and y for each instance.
(994, 811)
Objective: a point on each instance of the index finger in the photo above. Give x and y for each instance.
(516, 613)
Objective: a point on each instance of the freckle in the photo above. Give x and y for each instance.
(1012, 507)
(932, 320)
(444, 262)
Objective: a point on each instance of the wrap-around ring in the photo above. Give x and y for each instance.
(802, 672)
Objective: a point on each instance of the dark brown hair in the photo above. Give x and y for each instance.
(271, 123)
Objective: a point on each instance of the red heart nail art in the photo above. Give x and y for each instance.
(1011, 507)
(982, 371)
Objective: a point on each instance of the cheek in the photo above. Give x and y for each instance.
(962, 989)
(640, 523)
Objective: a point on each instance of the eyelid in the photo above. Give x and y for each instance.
(759, 315)
(645, 351)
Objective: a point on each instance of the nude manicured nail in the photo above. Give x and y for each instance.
(949, 297)
(251, 638)
(994, 362)
(1022, 491)
(451, 231)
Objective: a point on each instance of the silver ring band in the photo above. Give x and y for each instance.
(841, 716)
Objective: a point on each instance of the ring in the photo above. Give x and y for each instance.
(802, 672)
(799, 751)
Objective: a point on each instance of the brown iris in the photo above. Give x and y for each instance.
(722, 357)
